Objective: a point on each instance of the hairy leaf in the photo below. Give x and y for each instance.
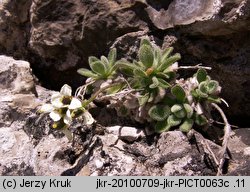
(139, 72)
(112, 56)
(93, 59)
(166, 53)
(162, 126)
(188, 109)
(164, 84)
(146, 55)
(86, 73)
(155, 83)
(159, 112)
(169, 61)
(145, 42)
(143, 99)
(98, 67)
(178, 110)
(187, 125)
(105, 61)
(201, 75)
(201, 94)
(179, 93)
(212, 86)
(173, 120)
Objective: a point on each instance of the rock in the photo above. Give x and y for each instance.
(74, 30)
(16, 149)
(129, 134)
(14, 27)
(49, 156)
(183, 13)
(239, 148)
(25, 146)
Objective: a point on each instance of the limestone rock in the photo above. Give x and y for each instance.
(129, 134)
(76, 29)
(14, 26)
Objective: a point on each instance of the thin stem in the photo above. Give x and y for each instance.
(227, 133)
(198, 66)
(92, 98)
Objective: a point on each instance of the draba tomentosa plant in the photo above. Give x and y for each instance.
(149, 90)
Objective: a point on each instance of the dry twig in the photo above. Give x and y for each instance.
(227, 133)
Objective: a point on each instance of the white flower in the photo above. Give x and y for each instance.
(88, 119)
(75, 103)
(62, 104)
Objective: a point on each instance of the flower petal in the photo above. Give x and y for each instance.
(66, 90)
(88, 119)
(67, 118)
(55, 116)
(46, 108)
(75, 103)
(57, 102)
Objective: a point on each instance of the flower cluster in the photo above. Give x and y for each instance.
(64, 108)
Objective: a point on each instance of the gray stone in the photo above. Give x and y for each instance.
(129, 134)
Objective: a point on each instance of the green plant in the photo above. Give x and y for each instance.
(148, 91)
(148, 88)
(103, 68)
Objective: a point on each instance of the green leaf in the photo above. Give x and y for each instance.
(179, 93)
(157, 57)
(155, 83)
(143, 99)
(201, 94)
(98, 67)
(139, 64)
(203, 87)
(163, 75)
(194, 94)
(159, 112)
(200, 120)
(169, 61)
(146, 55)
(171, 74)
(201, 75)
(112, 56)
(86, 73)
(173, 120)
(166, 53)
(187, 125)
(139, 72)
(164, 84)
(151, 97)
(93, 59)
(162, 126)
(105, 62)
(145, 42)
(212, 86)
(178, 110)
(188, 109)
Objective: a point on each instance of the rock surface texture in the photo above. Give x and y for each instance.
(56, 37)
